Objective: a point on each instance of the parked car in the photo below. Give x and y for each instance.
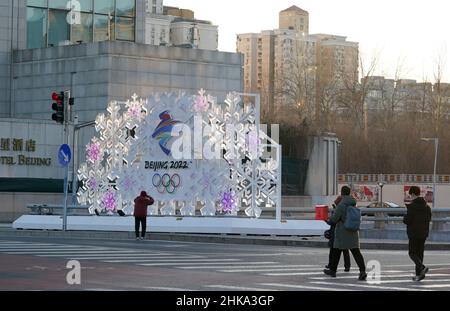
(378, 205)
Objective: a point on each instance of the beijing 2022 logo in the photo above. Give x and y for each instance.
(163, 132)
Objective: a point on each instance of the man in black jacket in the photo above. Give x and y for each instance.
(417, 220)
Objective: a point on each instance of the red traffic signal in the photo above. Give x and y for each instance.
(58, 107)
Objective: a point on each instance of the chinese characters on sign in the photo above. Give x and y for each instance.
(16, 144)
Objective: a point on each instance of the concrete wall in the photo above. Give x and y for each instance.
(13, 205)
(99, 72)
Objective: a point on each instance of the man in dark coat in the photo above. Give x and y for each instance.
(140, 213)
(417, 220)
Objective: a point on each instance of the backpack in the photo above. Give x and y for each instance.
(352, 220)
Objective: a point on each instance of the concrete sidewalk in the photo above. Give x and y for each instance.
(382, 244)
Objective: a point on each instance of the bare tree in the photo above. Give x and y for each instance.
(353, 95)
(438, 107)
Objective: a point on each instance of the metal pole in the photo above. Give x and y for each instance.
(66, 184)
(436, 145)
(75, 159)
(381, 197)
(279, 185)
(66, 141)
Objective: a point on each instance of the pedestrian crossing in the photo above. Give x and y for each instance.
(281, 275)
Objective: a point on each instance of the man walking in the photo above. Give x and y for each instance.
(140, 213)
(417, 220)
(345, 239)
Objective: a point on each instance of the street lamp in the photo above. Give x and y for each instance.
(381, 184)
(436, 146)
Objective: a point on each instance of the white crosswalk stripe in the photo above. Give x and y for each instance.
(334, 284)
(175, 289)
(433, 286)
(410, 281)
(245, 266)
(307, 287)
(277, 268)
(404, 275)
(183, 261)
(238, 288)
(292, 273)
(100, 254)
(130, 259)
(64, 252)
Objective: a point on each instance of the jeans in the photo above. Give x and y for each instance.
(137, 222)
(336, 256)
(346, 253)
(416, 249)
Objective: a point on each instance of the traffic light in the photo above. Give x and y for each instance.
(58, 107)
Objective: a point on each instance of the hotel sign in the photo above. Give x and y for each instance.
(20, 145)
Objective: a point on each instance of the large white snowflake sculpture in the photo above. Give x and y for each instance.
(136, 149)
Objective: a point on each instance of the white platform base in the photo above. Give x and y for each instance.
(176, 224)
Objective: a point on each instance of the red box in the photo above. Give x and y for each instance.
(321, 212)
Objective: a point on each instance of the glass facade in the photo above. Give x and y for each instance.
(49, 22)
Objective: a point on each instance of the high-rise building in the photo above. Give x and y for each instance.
(289, 66)
(295, 19)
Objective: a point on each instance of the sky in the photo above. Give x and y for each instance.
(412, 33)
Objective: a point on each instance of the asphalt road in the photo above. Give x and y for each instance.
(40, 264)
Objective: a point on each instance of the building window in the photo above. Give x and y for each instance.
(37, 28)
(58, 28)
(125, 8)
(125, 29)
(86, 5)
(104, 6)
(48, 23)
(162, 37)
(103, 27)
(84, 31)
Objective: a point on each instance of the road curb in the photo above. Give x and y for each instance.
(219, 238)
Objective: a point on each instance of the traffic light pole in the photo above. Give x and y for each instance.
(66, 168)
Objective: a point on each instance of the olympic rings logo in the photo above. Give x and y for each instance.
(166, 183)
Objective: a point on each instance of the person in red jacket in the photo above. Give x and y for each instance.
(140, 213)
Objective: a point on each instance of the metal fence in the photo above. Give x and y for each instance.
(378, 217)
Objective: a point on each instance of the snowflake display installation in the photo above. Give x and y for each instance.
(139, 147)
